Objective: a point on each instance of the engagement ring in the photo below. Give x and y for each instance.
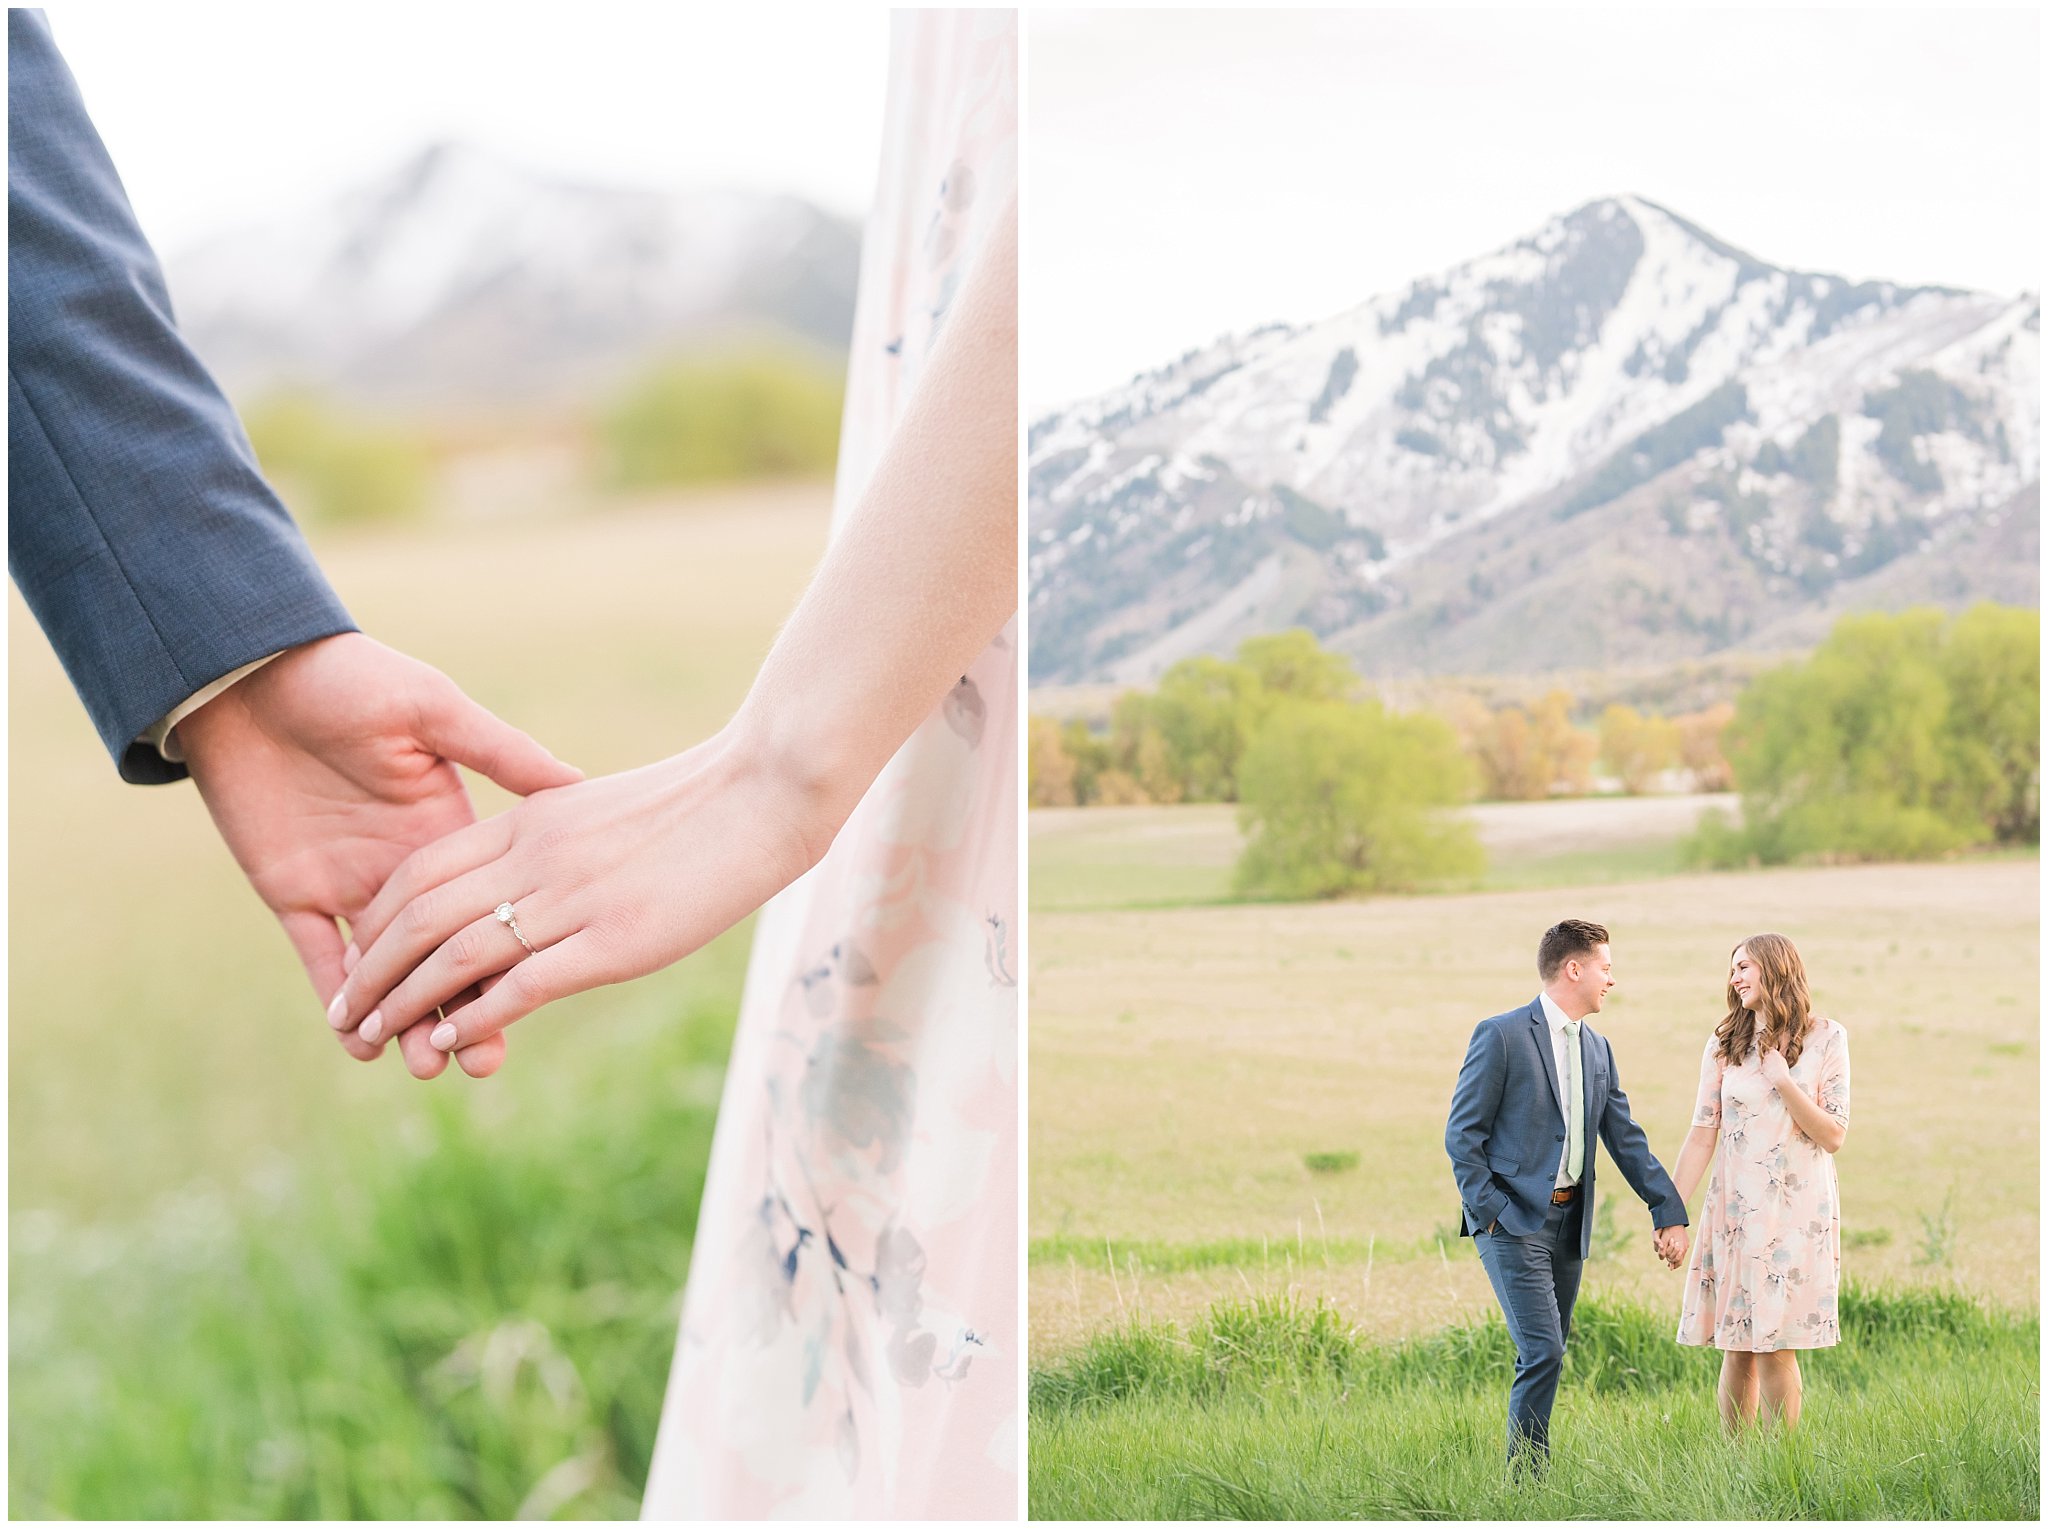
(505, 917)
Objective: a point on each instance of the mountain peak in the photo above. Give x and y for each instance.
(1329, 474)
(459, 272)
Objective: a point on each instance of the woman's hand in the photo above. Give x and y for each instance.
(1775, 1071)
(329, 766)
(610, 879)
(1821, 1128)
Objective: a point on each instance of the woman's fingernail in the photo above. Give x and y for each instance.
(443, 1036)
(337, 1011)
(373, 1026)
(349, 958)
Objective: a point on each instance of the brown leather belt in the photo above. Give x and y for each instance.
(1564, 1196)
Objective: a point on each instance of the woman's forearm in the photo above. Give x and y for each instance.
(1823, 1129)
(922, 575)
(1693, 1158)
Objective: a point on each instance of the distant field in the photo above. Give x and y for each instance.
(1188, 1063)
(253, 1278)
(1163, 857)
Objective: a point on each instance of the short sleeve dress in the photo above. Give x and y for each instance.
(1767, 1265)
(848, 1344)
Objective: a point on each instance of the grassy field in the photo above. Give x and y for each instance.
(1089, 858)
(252, 1278)
(1929, 1409)
(1253, 1095)
(1236, 1161)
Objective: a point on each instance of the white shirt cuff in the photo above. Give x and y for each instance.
(160, 737)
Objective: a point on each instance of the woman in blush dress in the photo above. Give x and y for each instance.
(1767, 1266)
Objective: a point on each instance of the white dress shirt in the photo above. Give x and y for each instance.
(1558, 1020)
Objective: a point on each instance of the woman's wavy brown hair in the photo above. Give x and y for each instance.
(1784, 1010)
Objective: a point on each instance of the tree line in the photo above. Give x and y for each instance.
(1900, 737)
(1185, 740)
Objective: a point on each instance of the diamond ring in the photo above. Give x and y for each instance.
(503, 913)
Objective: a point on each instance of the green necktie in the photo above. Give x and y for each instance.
(1575, 1151)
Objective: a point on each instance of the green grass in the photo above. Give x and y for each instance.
(1100, 858)
(464, 1316)
(1274, 1409)
(1581, 868)
(1262, 1254)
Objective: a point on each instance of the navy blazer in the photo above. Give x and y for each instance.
(1506, 1133)
(139, 530)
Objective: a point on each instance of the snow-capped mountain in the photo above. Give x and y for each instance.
(462, 276)
(1619, 440)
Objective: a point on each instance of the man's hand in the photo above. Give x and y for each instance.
(1671, 1243)
(330, 765)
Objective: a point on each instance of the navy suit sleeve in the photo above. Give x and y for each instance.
(140, 531)
(1630, 1149)
(1474, 1102)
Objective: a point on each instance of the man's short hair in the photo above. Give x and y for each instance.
(1564, 940)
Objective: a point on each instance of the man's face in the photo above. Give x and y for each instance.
(1590, 978)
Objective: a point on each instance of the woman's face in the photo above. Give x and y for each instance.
(1744, 978)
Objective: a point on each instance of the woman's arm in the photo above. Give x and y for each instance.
(923, 574)
(624, 874)
(1822, 1128)
(1693, 1158)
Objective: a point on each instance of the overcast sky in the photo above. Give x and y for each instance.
(217, 114)
(1192, 173)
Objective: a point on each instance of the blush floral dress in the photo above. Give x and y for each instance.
(1767, 1265)
(848, 1346)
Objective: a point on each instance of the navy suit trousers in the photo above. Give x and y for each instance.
(1536, 1280)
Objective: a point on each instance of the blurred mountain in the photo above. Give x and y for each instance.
(1619, 440)
(462, 278)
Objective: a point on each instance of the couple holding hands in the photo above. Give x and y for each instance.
(847, 1339)
(1764, 1278)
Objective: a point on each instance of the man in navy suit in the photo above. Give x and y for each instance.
(1538, 1083)
(182, 600)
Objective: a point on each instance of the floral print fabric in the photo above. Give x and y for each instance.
(1767, 1262)
(848, 1346)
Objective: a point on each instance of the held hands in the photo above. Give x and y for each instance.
(1671, 1244)
(611, 879)
(330, 765)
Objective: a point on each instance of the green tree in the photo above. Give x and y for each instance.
(1140, 749)
(1991, 659)
(336, 467)
(1339, 798)
(1293, 663)
(1901, 737)
(1205, 709)
(764, 412)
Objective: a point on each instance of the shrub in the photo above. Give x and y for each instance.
(1343, 798)
(1901, 737)
(759, 413)
(336, 467)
